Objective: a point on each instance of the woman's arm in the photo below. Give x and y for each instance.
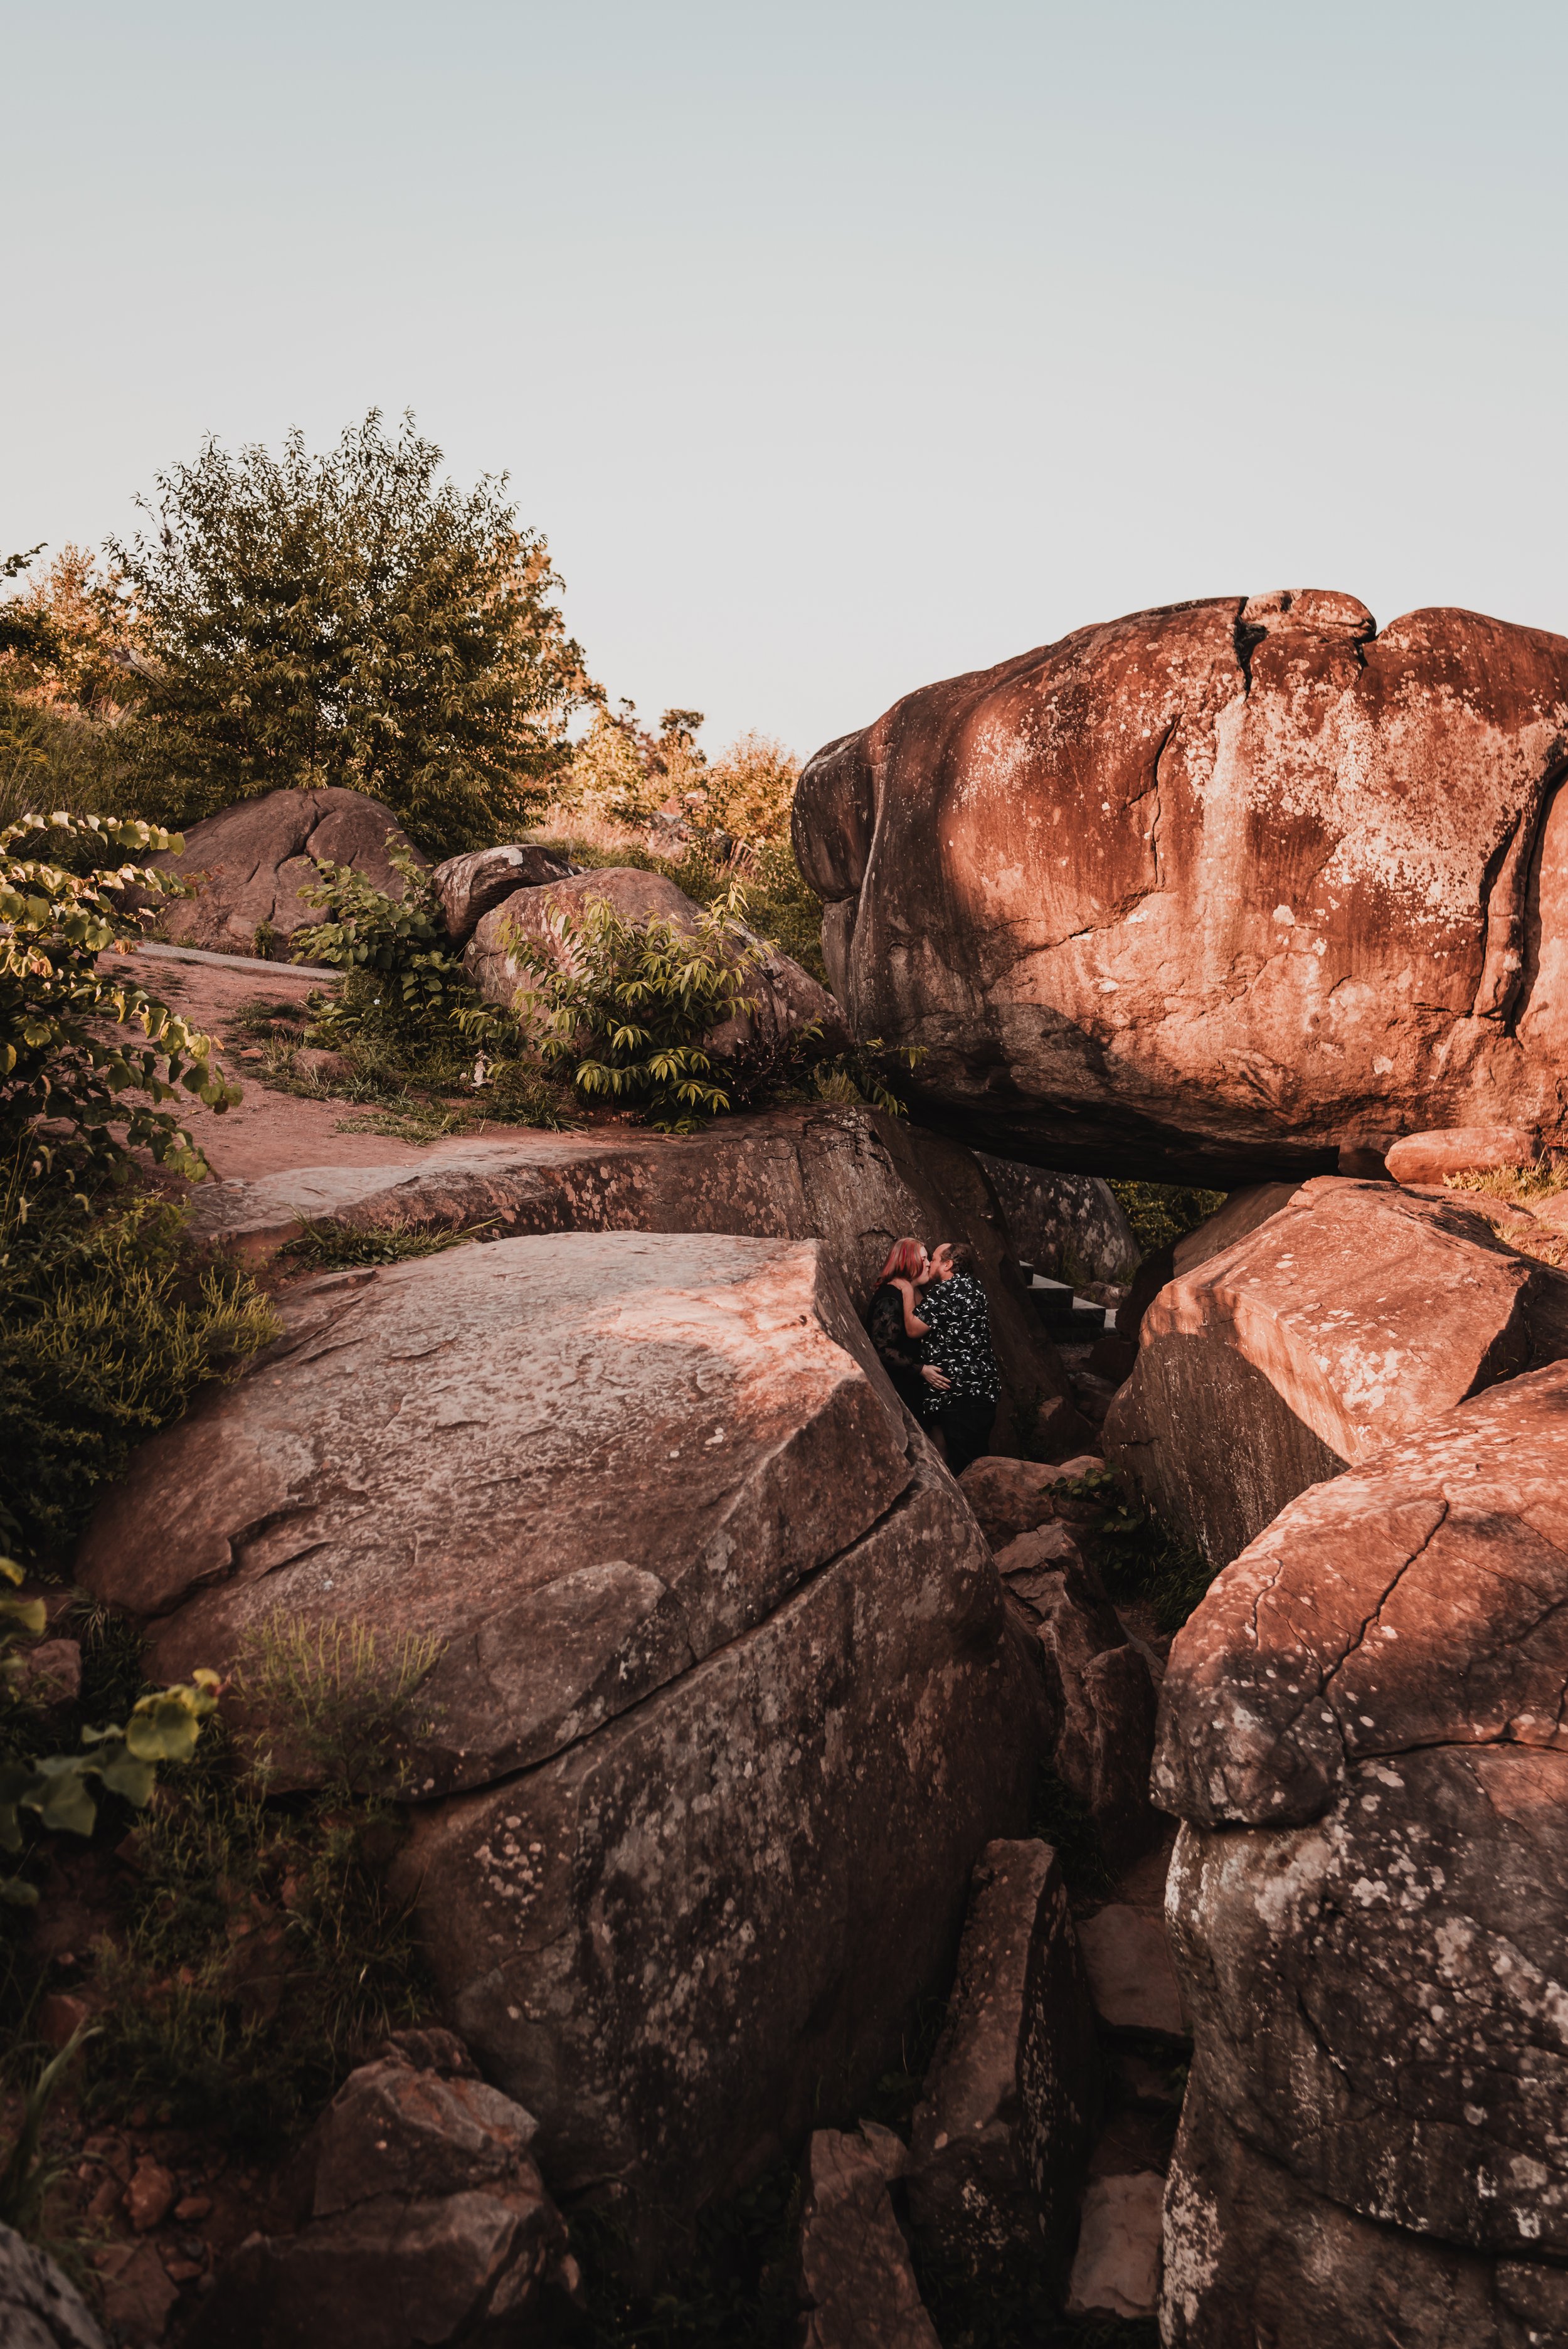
(913, 1327)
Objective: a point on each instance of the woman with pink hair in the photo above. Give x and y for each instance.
(908, 1268)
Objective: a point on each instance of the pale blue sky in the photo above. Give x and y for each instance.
(834, 347)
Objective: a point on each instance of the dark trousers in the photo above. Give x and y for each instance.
(966, 1430)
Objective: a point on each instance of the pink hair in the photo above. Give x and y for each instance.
(904, 1261)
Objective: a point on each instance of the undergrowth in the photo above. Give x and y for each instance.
(333, 1248)
(781, 905)
(262, 1957)
(108, 1325)
(1162, 1212)
(1138, 1556)
(1527, 1188)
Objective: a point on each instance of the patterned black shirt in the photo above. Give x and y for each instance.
(959, 1342)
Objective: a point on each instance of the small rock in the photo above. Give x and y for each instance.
(50, 1674)
(194, 2208)
(856, 2280)
(326, 1067)
(1459, 1149)
(1130, 1977)
(60, 2016)
(149, 2196)
(40, 2307)
(1116, 2271)
(138, 2297)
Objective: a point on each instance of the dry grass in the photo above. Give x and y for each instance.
(1511, 1199)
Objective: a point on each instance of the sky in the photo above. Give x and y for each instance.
(834, 347)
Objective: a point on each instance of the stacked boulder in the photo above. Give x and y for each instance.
(1362, 1729)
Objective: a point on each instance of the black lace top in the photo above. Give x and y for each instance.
(901, 1354)
(959, 1343)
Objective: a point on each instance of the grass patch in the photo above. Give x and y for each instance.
(262, 1957)
(1526, 1188)
(337, 1247)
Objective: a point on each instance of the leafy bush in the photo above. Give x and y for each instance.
(402, 940)
(107, 1328)
(56, 1062)
(1161, 1213)
(263, 1957)
(628, 1007)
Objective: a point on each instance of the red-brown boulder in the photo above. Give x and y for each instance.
(1215, 891)
(1352, 1317)
(468, 887)
(1361, 1727)
(249, 862)
(855, 2277)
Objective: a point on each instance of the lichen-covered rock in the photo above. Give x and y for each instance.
(1000, 2138)
(853, 1179)
(1213, 891)
(856, 2280)
(1068, 1226)
(40, 2307)
(727, 1688)
(1010, 1497)
(1099, 1692)
(421, 2220)
(249, 862)
(1361, 1727)
(1352, 1317)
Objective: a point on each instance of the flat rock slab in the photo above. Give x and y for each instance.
(856, 2279)
(1000, 2138)
(1352, 1317)
(851, 1178)
(1116, 2270)
(582, 1463)
(1213, 892)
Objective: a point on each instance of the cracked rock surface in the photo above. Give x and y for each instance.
(1362, 1728)
(1213, 891)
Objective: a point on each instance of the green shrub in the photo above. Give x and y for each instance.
(59, 913)
(107, 1328)
(628, 1007)
(333, 1248)
(1160, 1213)
(402, 940)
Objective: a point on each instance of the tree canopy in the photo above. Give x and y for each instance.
(348, 618)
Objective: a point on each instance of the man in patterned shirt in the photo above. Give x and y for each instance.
(956, 1358)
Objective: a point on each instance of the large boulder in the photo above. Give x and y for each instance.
(40, 2307)
(855, 2278)
(786, 997)
(726, 1703)
(1352, 1317)
(853, 1179)
(1361, 1729)
(420, 2220)
(249, 862)
(1215, 891)
(1069, 1226)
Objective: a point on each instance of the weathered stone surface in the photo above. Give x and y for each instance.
(1068, 1226)
(253, 859)
(663, 1940)
(581, 1462)
(467, 887)
(1242, 1212)
(1116, 2270)
(1354, 1316)
(1362, 1727)
(785, 996)
(1416, 1602)
(1428, 1157)
(40, 2307)
(1001, 2136)
(1252, 2255)
(851, 1178)
(856, 2280)
(1127, 1958)
(1100, 1695)
(1213, 891)
(422, 2220)
(1010, 1497)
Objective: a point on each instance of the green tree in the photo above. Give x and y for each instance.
(350, 619)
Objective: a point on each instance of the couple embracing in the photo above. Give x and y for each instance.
(930, 1323)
